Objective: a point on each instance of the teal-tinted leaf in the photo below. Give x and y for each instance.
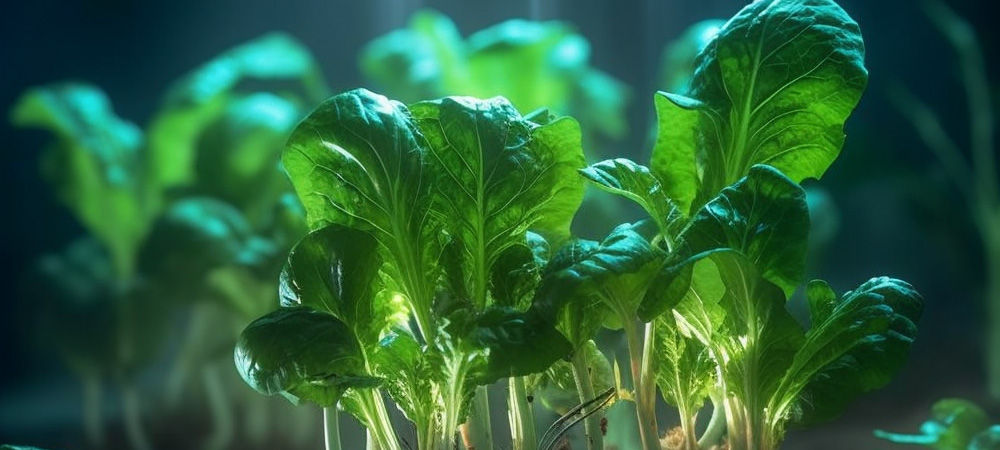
(496, 176)
(202, 96)
(335, 270)
(237, 154)
(95, 165)
(194, 236)
(302, 354)
(854, 346)
(677, 62)
(775, 87)
(599, 101)
(17, 447)
(954, 425)
(358, 161)
(531, 63)
(765, 217)
(635, 182)
(988, 439)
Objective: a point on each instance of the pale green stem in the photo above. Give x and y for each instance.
(381, 430)
(190, 347)
(222, 417)
(476, 431)
(93, 412)
(585, 388)
(520, 416)
(645, 407)
(716, 425)
(331, 428)
(132, 411)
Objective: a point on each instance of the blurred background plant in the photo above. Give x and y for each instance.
(188, 223)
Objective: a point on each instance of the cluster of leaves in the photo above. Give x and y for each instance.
(533, 64)
(440, 257)
(955, 424)
(192, 210)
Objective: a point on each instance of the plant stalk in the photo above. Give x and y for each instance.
(331, 428)
(132, 411)
(585, 388)
(380, 426)
(520, 416)
(645, 399)
(218, 406)
(476, 431)
(93, 412)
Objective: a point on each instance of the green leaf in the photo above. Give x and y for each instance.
(425, 60)
(192, 237)
(302, 354)
(684, 367)
(774, 87)
(635, 182)
(408, 375)
(514, 343)
(765, 217)
(237, 154)
(674, 160)
(96, 166)
(358, 161)
(335, 270)
(677, 62)
(856, 344)
(497, 175)
(587, 284)
(517, 272)
(988, 439)
(200, 97)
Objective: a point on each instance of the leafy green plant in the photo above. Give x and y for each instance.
(533, 64)
(186, 217)
(955, 424)
(440, 258)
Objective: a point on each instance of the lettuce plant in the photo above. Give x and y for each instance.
(183, 216)
(533, 64)
(439, 258)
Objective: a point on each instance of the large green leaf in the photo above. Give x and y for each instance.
(192, 237)
(302, 354)
(358, 161)
(587, 284)
(684, 367)
(200, 97)
(514, 343)
(856, 344)
(96, 166)
(495, 176)
(335, 270)
(765, 217)
(774, 87)
(237, 154)
(635, 182)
